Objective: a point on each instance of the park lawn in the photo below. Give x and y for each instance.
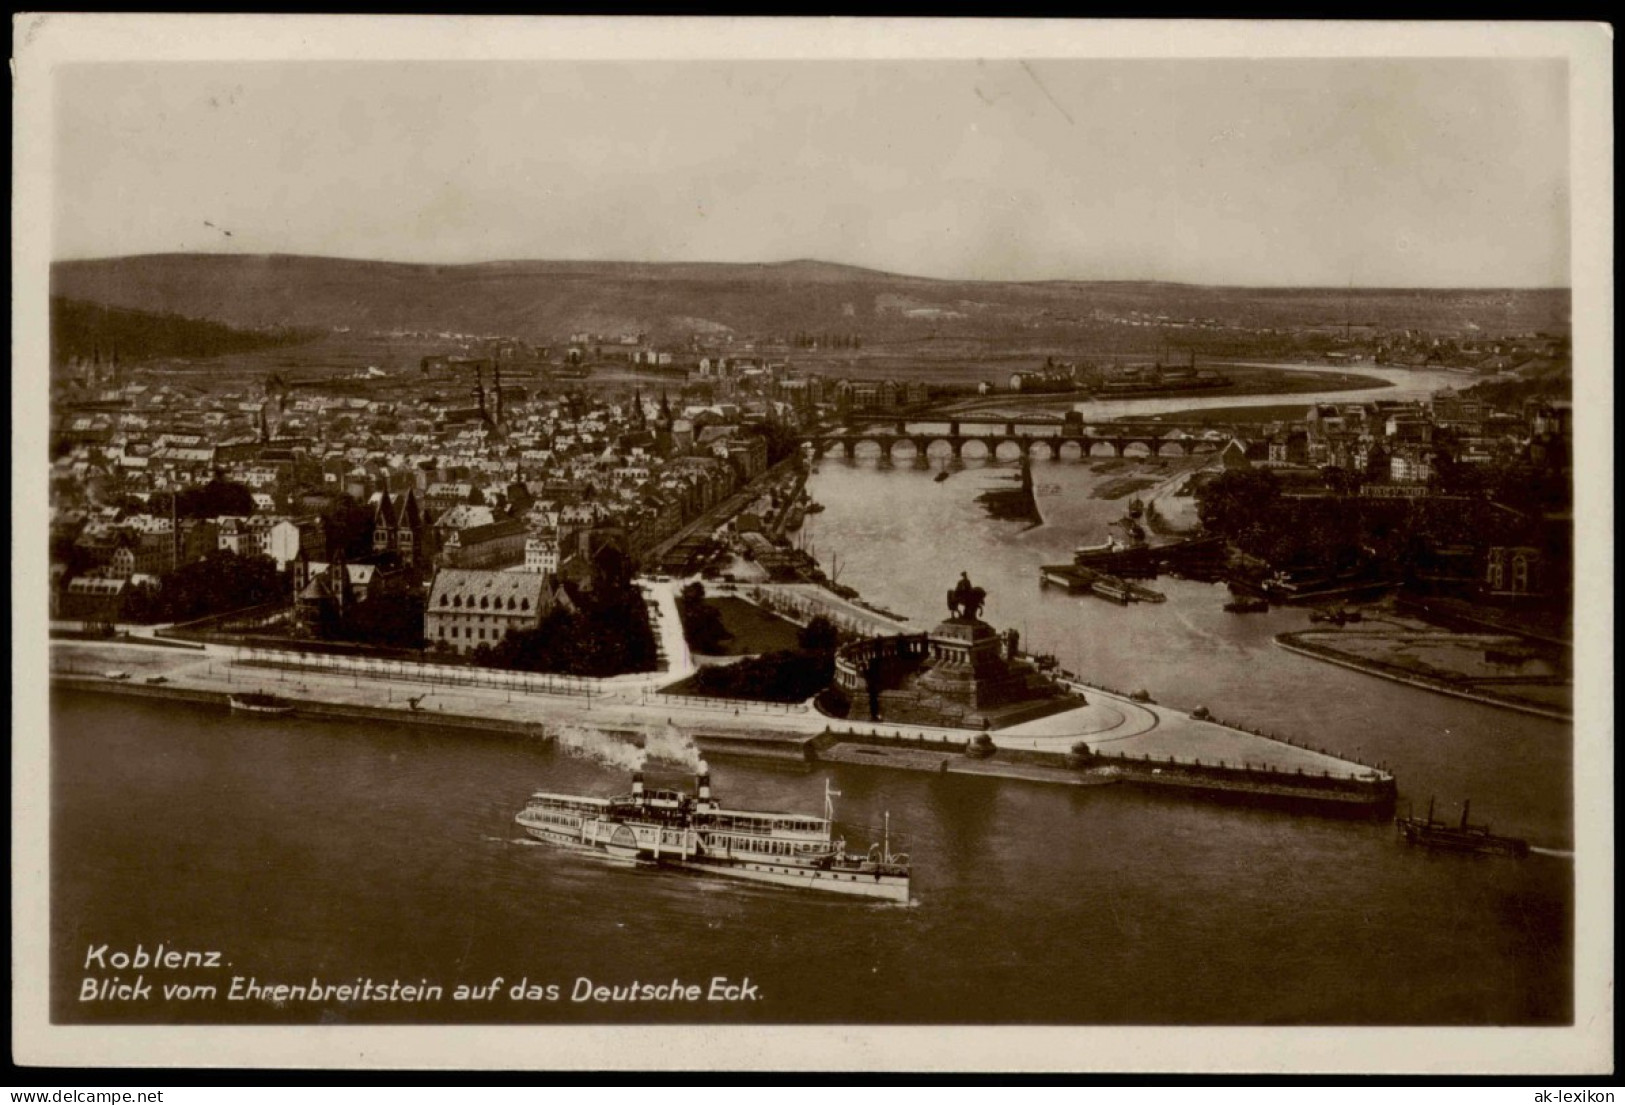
(751, 629)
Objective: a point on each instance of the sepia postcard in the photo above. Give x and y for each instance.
(717, 544)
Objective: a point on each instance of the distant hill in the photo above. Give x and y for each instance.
(543, 299)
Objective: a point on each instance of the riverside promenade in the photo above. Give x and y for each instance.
(1111, 725)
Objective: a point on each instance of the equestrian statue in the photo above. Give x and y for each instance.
(966, 601)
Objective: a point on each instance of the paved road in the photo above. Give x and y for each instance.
(669, 630)
(826, 601)
(720, 513)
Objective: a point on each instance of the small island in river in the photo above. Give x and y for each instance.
(1015, 504)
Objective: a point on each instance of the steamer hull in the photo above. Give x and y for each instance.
(695, 833)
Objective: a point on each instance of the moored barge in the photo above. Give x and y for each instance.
(260, 703)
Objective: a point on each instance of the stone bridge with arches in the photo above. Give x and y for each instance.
(1011, 439)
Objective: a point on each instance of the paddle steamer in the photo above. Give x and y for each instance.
(695, 832)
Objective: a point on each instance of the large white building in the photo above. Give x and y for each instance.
(469, 607)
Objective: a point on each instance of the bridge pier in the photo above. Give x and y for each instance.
(886, 431)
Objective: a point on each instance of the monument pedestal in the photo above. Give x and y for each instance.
(961, 674)
(966, 666)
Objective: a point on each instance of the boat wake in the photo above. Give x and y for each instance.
(1558, 852)
(1213, 639)
(525, 840)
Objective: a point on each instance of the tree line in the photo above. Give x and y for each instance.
(603, 630)
(1395, 536)
(788, 675)
(220, 582)
(81, 329)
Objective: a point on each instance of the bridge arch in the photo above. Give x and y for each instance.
(1102, 449)
(1135, 449)
(1007, 448)
(1071, 450)
(1171, 449)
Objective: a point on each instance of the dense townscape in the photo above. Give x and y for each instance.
(459, 505)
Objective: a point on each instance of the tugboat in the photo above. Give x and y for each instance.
(1463, 837)
(940, 476)
(694, 832)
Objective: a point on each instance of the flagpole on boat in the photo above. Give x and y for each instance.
(829, 804)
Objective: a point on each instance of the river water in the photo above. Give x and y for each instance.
(1404, 384)
(305, 848)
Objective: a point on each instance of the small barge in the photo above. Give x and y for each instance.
(261, 704)
(1078, 580)
(1247, 606)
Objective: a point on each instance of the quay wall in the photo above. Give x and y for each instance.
(303, 708)
(1243, 780)
(766, 749)
(1235, 781)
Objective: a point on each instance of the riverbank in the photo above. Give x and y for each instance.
(1381, 654)
(1274, 412)
(1142, 738)
(720, 514)
(1247, 379)
(1326, 793)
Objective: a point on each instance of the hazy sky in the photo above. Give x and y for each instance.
(1395, 173)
